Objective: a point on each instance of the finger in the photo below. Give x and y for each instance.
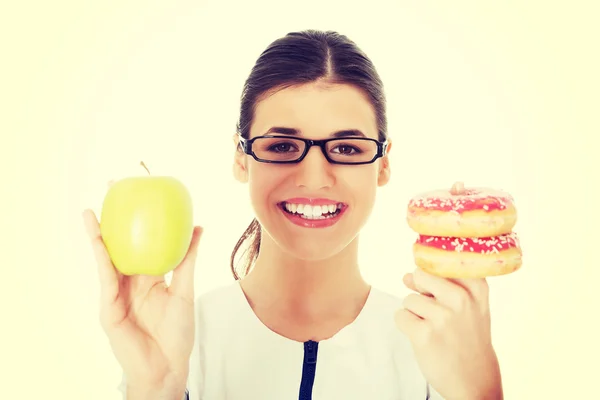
(141, 283)
(408, 323)
(445, 291)
(107, 274)
(422, 306)
(182, 283)
(409, 281)
(477, 288)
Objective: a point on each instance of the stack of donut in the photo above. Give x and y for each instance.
(465, 233)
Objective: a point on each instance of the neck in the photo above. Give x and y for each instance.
(309, 288)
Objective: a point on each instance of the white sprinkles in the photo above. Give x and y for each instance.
(492, 245)
(446, 201)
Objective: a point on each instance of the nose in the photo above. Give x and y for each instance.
(314, 172)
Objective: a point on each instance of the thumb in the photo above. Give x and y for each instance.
(182, 283)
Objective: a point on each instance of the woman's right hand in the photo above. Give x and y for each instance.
(150, 326)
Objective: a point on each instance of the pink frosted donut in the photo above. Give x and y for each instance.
(465, 233)
(453, 257)
(460, 212)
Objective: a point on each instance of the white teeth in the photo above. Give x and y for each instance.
(317, 211)
(308, 211)
(313, 212)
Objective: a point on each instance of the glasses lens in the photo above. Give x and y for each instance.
(278, 149)
(352, 150)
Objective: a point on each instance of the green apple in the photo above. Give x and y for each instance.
(147, 224)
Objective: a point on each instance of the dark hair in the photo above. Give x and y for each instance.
(295, 59)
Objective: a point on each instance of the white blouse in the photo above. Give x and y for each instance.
(236, 357)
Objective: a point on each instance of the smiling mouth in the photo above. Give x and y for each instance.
(312, 212)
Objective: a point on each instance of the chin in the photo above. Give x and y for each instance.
(311, 244)
(312, 247)
(315, 253)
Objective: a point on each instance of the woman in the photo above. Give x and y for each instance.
(300, 321)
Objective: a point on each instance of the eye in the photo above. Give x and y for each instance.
(346, 149)
(282, 147)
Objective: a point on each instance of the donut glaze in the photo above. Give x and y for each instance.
(471, 199)
(475, 212)
(477, 245)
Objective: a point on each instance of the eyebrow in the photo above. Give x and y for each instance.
(296, 132)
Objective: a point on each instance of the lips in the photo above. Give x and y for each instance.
(311, 201)
(312, 213)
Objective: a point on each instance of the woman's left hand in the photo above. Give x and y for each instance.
(448, 324)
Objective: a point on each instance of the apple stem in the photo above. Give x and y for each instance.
(146, 168)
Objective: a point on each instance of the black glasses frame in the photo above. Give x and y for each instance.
(246, 145)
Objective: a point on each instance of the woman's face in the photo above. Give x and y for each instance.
(316, 112)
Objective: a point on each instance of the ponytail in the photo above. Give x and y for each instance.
(250, 254)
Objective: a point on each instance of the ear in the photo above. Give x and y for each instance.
(384, 167)
(240, 164)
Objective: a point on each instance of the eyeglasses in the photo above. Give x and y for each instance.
(287, 150)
